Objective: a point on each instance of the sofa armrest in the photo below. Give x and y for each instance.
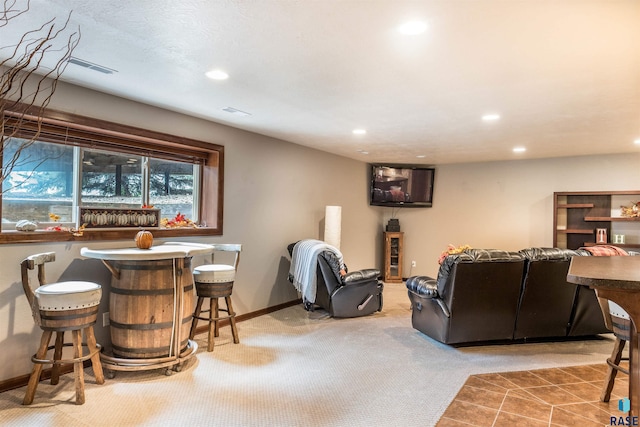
(423, 286)
(427, 288)
(359, 276)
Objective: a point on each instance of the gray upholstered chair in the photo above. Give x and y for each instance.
(59, 307)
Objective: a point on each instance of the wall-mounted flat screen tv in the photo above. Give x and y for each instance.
(402, 185)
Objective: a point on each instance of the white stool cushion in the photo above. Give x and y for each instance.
(71, 295)
(214, 273)
(617, 311)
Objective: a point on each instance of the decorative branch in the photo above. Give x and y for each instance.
(27, 84)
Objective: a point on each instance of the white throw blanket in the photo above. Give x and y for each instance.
(304, 262)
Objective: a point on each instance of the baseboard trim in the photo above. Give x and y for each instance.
(203, 327)
(23, 380)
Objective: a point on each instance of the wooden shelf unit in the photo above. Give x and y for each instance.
(393, 256)
(578, 214)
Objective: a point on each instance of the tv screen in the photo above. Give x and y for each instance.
(402, 185)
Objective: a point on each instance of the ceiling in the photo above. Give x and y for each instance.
(564, 76)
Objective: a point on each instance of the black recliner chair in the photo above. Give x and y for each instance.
(357, 293)
(474, 298)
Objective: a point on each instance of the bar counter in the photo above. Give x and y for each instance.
(150, 305)
(616, 278)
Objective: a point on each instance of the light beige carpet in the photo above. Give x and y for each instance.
(295, 368)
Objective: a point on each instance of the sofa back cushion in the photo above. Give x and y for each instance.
(474, 256)
(481, 289)
(549, 305)
(547, 300)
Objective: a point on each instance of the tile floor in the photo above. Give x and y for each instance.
(545, 397)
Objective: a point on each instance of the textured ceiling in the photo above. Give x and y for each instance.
(563, 75)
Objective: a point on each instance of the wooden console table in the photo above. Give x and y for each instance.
(150, 305)
(616, 278)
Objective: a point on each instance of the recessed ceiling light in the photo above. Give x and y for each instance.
(359, 131)
(412, 28)
(421, 156)
(491, 117)
(519, 150)
(363, 152)
(217, 75)
(637, 141)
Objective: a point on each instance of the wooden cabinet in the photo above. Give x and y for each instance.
(393, 256)
(577, 216)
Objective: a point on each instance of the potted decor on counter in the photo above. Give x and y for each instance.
(144, 239)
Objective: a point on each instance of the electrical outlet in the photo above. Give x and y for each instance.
(105, 319)
(413, 263)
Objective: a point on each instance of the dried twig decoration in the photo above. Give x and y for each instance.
(27, 81)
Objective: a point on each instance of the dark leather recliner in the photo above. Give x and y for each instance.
(549, 305)
(475, 297)
(357, 293)
(489, 295)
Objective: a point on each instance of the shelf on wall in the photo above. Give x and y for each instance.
(609, 218)
(575, 205)
(574, 231)
(618, 245)
(577, 215)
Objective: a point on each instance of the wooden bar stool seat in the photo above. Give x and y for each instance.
(60, 307)
(214, 281)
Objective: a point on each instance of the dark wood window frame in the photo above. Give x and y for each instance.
(71, 129)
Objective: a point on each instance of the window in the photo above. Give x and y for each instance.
(58, 166)
(41, 182)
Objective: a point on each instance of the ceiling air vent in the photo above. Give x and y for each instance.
(91, 65)
(236, 112)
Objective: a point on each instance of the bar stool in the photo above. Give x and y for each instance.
(59, 307)
(620, 326)
(215, 281)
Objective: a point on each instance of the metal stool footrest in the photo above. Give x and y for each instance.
(214, 319)
(617, 367)
(88, 356)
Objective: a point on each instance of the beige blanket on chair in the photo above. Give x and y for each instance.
(304, 262)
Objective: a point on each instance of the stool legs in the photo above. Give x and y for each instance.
(213, 323)
(34, 379)
(57, 355)
(232, 320)
(77, 366)
(78, 359)
(612, 371)
(214, 319)
(95, 359)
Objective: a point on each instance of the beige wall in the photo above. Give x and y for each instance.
(275, 193)
(504, 205)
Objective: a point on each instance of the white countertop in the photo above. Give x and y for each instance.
(165, 251)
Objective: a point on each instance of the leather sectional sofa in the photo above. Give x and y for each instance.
(492, 295)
